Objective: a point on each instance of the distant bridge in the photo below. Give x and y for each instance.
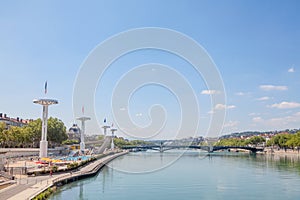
(210, 149)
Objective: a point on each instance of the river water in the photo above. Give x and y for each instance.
(192, 175)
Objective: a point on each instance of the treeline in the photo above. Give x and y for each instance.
(285, 140)
(30, 135)
(255, 140)
(120, 142)
(257, 133)
(279, 140)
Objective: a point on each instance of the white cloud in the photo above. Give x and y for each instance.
(253, 114)
(231, 124)
(210, 92)
(138, 114)
(230, 107)
(285, 105)
(291, 70)
(273, 87)
(240, 93)
(211, 112)
(279, 122)
(122, 109)
(222, 107)
(263, 98)
(257, 119)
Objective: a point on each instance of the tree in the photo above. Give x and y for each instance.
(2, 127)
(69, 142)
(15, 136)
(100, 137)
(294, 141)
(56, 131)
(231, 142)
(2, 134)
(280, 140)
(255, 140)
(34, 130)
(30, 135)
(120, 142)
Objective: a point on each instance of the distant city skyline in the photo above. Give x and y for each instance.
(255, 46)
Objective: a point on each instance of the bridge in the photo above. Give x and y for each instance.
(210, 149)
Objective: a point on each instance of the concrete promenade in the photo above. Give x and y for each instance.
(29, 187)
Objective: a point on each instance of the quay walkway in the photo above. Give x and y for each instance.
(29, 187)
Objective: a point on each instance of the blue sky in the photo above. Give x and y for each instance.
(254, 44)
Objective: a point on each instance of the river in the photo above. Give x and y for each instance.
(192, 175)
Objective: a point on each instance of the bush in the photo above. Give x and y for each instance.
(44, 195)
(54, 168)
(72, 165)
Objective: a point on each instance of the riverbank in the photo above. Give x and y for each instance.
(272, 151)
(34, 186)
(282, 151)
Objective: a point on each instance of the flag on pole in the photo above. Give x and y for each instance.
(46, 87)
(104, 120)
(82, 110)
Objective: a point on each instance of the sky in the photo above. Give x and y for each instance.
(255, 46)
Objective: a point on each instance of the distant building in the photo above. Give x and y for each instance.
(74, 133)
(9, 121)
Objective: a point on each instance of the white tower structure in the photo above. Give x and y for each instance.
(44, 143)
(45, 102)
(113, 130)
(82, 144)
(105, 127)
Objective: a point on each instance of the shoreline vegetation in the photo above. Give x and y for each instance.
(29, 135)
(282, 143)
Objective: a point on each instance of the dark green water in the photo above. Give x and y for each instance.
(192, 176)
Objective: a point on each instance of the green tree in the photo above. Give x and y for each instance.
(231, 142)
(100, 137)
(120, 142)
(255, 140)
(30, 135)
(294, 141)
(5, 135)
(2, 134)
(34, 130)
(69, 142)
(16, 136)
(56, 131)
(2, 127)
(280, 140)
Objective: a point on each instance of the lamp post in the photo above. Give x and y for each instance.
(113, 130)
(105, 127)
(44, 143)
(82, 144)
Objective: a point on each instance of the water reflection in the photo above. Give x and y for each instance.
(289, 163)
(279, 162)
